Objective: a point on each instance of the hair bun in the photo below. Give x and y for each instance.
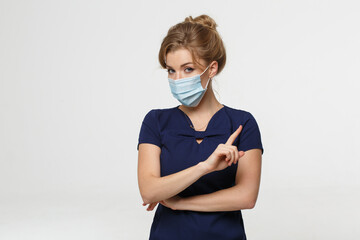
(204, 20)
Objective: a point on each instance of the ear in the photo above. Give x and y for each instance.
(213, 69)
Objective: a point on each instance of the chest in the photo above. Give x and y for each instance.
(182, 149)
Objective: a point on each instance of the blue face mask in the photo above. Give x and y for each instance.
(188, 91)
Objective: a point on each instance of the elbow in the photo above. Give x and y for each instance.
(147, 192)
(252, 201)
(147, 198)
(246, 197)
(251, 204)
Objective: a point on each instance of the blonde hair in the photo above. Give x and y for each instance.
(199, 36)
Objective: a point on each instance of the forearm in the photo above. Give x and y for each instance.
(160, 188)
(230, 199)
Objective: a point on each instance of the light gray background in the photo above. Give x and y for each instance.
(77, 78)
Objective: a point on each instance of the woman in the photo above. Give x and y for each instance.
(199, 161)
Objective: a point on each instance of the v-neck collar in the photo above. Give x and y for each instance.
(210, 121)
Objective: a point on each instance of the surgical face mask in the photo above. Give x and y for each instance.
(188, 91)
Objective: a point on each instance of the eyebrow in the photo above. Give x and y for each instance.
(181, 65)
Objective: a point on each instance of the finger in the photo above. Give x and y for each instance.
(237, 155)
(233, 136)
(232, 156)
(152, 206)
(224, 152)
(147, 209)
(241, 153)
(227, 155)
(234, 153)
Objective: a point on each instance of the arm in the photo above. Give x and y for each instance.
(154, 188)
(241, 196)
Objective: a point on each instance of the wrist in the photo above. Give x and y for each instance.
(204, 167)
(180, 204)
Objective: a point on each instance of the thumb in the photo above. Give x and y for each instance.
(241, 153)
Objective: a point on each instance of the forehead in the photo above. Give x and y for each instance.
(178, 57)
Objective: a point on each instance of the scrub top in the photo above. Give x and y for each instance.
(170, 130)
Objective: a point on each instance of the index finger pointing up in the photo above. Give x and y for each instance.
(233, 136)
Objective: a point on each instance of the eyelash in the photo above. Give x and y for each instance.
(191, 69)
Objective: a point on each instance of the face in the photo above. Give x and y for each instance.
(179, 64)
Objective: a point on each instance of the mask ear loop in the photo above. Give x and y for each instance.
(205, 70)
(207, 83)
(208, 79)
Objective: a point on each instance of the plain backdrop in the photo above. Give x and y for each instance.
(77, 78)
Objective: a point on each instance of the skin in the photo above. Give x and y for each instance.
(155, 189)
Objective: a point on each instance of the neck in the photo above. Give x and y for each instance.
(207, 106)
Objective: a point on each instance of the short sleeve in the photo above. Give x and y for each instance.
(250, 136)
(149, 131)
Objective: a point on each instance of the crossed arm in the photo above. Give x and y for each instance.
(154, 189)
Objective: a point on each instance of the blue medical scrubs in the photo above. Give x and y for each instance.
(170, 130)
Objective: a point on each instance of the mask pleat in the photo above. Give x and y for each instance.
(188, 91)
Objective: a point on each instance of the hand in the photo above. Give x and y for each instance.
(151, 206)
(173, 202)
(225, 154)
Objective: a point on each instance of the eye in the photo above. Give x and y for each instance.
(169, 70)
(189, 69)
